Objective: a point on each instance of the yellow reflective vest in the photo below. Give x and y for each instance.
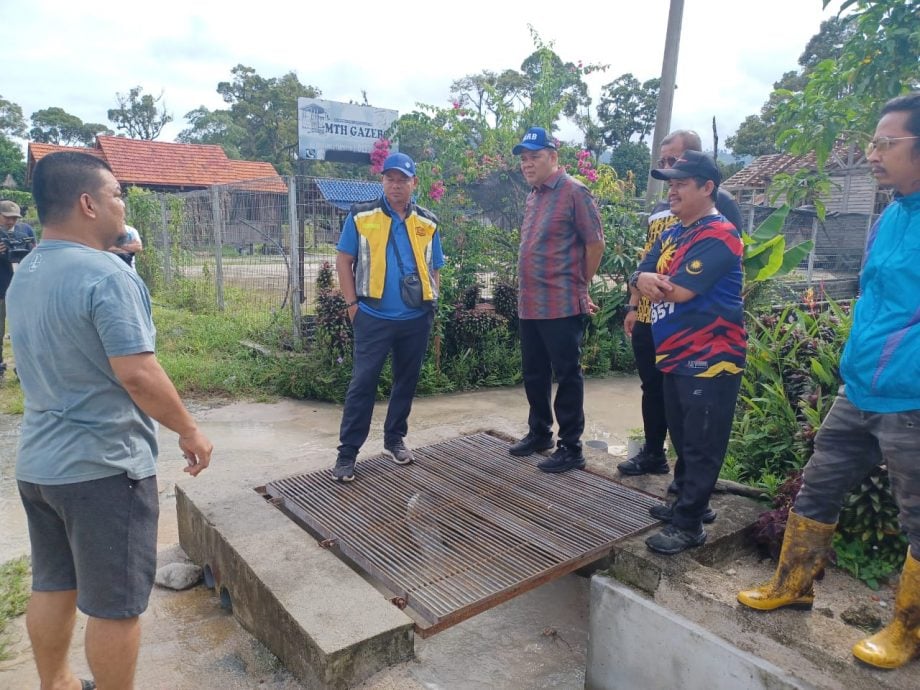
(372, 221)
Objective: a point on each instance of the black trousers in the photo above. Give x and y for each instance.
(700, 413)
(374, 340)
(551, 346)
(654, 421)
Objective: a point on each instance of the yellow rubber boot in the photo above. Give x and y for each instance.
(805, 548)
(899, 642)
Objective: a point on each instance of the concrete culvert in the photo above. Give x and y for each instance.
(208, 576)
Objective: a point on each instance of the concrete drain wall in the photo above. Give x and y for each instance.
(635, 643)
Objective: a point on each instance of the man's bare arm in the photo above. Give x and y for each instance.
(153, 392)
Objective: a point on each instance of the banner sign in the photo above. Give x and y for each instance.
(327, 126)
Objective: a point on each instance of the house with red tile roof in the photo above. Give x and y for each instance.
(170, 167)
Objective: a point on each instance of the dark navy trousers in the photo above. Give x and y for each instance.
(700, 413)
(375, 339)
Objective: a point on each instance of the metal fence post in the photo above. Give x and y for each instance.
(294, 230)
(164, 230)
(218, 246)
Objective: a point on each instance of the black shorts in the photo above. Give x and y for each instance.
(97, 537)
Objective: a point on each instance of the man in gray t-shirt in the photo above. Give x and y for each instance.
(94, 392)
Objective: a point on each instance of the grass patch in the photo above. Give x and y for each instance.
(14, 595)
(202, 352)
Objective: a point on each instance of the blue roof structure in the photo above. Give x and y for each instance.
(343, 193)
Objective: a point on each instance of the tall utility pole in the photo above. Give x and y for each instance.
(666, 92)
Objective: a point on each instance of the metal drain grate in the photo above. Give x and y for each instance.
(464, 528)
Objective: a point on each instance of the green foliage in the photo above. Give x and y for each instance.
(789, 383)
(631, 161)
(12, 162)
(765, 253)
(146, 211)
(57, 126)
(14, 596)
(261, 122)
(627, 109)
(22, 199)
(12, 122)
(869, 542)
(139, 116)
(844, 92)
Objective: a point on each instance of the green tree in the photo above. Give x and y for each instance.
(757, 134)
(490, 94)
(877, 61)
(12, 161)
(627, 109)
(57, 126)
(213, 127)
(261, 122)
(12, 122)
(139, 115)
(632, 158)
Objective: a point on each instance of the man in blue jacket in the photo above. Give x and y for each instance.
(876, 416)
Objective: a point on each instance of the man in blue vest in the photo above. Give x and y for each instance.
(389, 258)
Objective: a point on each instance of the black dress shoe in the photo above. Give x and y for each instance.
(531, 444)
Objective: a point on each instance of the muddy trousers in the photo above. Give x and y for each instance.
(700, 413)
(849, 444)
(375, 339)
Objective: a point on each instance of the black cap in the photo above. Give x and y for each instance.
(691, 164)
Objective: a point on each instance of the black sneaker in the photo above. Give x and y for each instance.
(563, 460)
(645, 462)
(531, 443)
(401, 454)
(665, 513)
(673, 540)
(344, 470)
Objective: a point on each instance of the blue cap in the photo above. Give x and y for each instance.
(535, 139)
(401, 162)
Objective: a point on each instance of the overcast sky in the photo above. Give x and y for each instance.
(77, 56)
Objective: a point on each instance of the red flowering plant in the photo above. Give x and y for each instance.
(379, 155)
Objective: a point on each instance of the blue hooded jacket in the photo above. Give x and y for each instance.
(881, 360)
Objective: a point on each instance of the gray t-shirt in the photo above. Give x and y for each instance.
(70, 308)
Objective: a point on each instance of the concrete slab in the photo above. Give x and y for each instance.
(326, 624)
(635, 643)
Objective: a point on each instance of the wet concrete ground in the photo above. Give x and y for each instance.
(537, 640)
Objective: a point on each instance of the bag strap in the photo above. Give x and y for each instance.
(399, 263)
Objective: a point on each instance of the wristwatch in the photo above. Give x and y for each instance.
(634, 279)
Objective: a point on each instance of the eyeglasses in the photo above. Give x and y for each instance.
(882, 144)
(667, 162)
